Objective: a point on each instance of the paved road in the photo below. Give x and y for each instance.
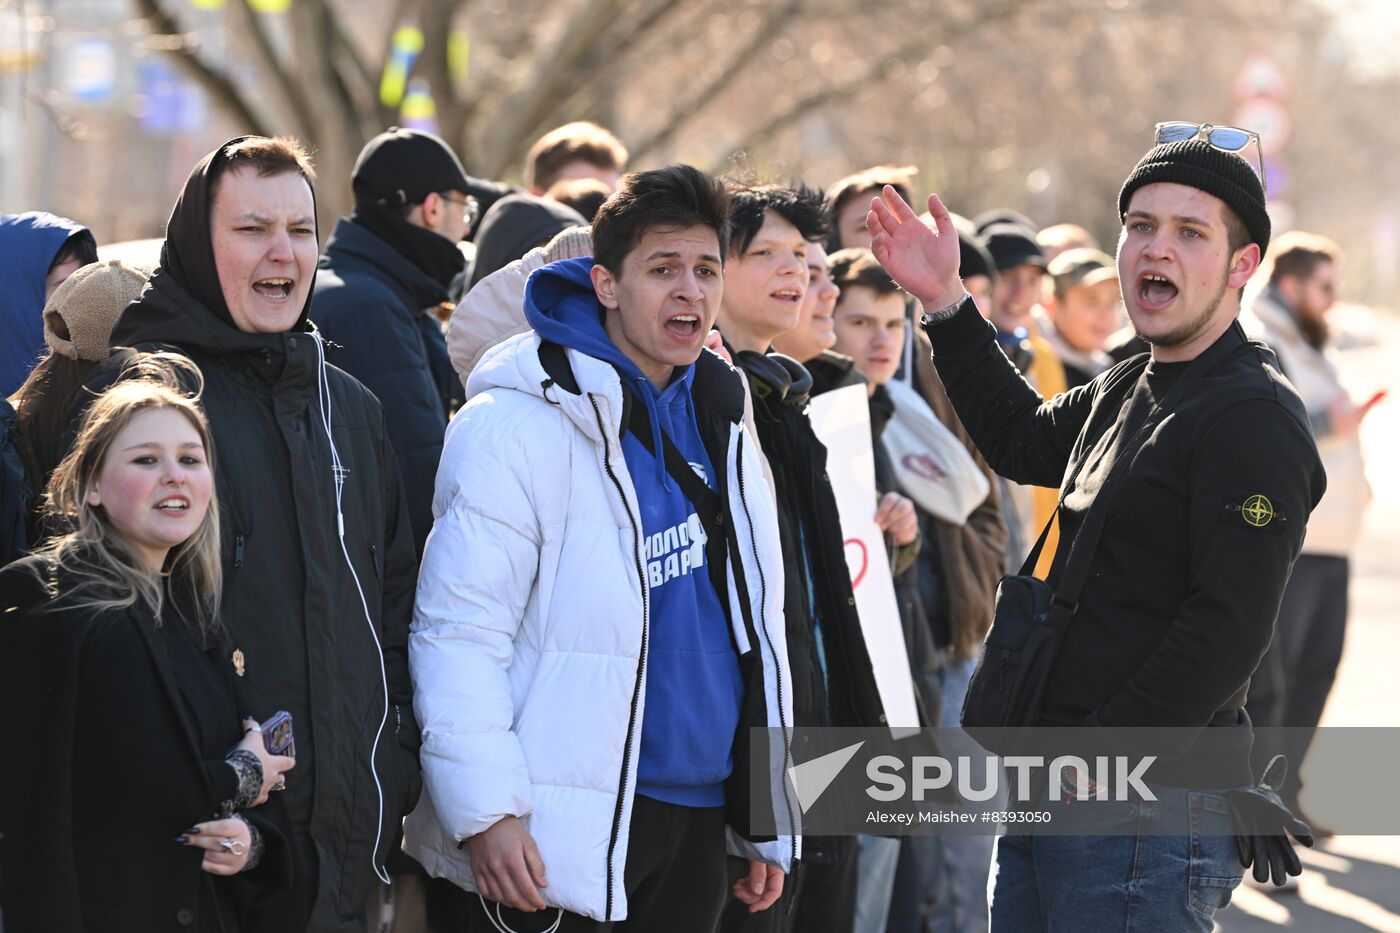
(1352, 883)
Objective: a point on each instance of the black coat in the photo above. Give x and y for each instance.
(377, 305)
(120, 730)
(807, 520)
(290, 601)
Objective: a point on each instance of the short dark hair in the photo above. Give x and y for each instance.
(860, 267)
(580, 141)
(80, 246)
(266, 155)
(871, 180)
(801, 206)
(584, 195)
(1298, 254)
(677, 196)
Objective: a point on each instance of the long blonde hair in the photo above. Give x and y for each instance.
(106, 573)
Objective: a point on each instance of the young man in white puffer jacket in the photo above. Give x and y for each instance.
(591, 645)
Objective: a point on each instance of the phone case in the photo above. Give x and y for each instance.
(277, 734)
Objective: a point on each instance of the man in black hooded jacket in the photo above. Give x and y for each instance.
(317, 548)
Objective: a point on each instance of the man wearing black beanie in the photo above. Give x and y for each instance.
(1207, 472)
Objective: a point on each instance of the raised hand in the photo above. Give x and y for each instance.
(924, 263)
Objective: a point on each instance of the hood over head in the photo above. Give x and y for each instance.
(561, 306)
(28, 244)
(188, 253)
(515, 225)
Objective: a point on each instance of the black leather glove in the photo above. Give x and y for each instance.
(1263, 825)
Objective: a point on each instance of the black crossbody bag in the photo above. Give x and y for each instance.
(1030, 618)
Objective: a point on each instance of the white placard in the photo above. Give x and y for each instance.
(841, 420)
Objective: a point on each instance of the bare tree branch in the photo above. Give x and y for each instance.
(183, 49)
(273, 76)
(360, 74)
(681, 113)
(492, 82)
(403, 10)
(879, 69)
(540, 94)
(329, 41)
(437, 16)
(644, 23)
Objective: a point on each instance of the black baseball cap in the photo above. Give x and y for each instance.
(1013, 245)
(402, 166)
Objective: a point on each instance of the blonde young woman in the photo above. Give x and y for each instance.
(130, 794)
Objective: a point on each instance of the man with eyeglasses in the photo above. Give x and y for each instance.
(381, 295)
(1200, 526)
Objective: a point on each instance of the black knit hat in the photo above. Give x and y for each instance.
(1197, 164)
(405, 166)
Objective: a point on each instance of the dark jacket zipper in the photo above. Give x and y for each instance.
(768, 639)
(641, 663)
(238, 542)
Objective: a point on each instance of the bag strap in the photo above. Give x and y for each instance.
(708, 504)
(1086, 539)
(1033, 558)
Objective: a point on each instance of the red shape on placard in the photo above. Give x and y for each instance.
(924, 465)
(864, 561)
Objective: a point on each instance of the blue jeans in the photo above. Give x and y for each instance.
(949, 872)
(879, 857)
(1122, 882)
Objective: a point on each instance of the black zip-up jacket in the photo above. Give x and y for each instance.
(290, 602)
(376, 304)
(1198, 542)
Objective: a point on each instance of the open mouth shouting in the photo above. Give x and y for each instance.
(684, 326)
(275, 289)
(1155, 291)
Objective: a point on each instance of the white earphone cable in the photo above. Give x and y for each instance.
(500, 924)
(338, 472)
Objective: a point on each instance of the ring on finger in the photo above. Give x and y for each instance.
(231, 846)
(281, 783)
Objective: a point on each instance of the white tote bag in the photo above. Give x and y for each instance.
(933, 466)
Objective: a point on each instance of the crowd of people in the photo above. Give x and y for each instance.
(508, 500)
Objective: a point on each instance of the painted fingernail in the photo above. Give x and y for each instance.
(181, 840)
(192, 831)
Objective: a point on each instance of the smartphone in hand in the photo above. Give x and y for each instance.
(277, 734)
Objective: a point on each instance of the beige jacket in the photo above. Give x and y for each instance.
(1335, 525)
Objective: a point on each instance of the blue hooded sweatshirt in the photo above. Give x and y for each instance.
(693, 688)
(28, 244)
